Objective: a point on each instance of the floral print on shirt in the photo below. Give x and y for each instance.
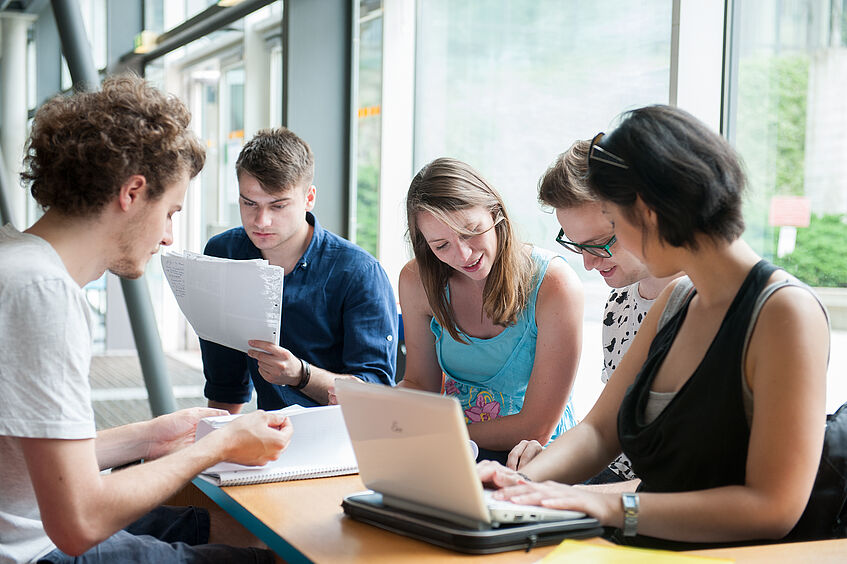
(479, 404)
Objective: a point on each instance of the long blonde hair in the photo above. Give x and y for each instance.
(447, 185)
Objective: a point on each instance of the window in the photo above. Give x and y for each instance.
(507, 87)
(787, 118)
(369, 120)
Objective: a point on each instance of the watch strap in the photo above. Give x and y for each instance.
(305, 374)
(630, 514)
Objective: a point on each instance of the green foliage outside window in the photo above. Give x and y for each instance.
(771, 137)
(367, 206)
(819, 258)
(772, 109)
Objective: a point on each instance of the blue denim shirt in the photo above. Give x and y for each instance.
(338, 313)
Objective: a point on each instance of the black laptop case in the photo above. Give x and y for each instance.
(368, 508)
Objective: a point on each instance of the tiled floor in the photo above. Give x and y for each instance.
(119, 395)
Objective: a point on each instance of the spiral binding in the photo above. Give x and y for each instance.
(241, 478)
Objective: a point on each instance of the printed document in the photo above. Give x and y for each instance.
(227, 301)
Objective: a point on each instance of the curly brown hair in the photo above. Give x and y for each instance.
(83, 147)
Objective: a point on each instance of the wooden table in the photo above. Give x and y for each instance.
(302, 521)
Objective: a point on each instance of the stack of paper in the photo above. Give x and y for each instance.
(227, 301)
(320, 446)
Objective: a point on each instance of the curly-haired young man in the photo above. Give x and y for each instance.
(110, 168)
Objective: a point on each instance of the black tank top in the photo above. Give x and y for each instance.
(700, 439)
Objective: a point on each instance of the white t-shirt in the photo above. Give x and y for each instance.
(45, 355)
(625, 310)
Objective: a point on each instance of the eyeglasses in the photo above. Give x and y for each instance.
(598, 153)
(602, 251)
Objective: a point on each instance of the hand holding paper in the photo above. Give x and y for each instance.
(227, 301)
(173, 431)
(319, 446)
(276, 364)
(258, 438)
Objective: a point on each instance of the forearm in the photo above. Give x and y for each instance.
(123, 444)
(416, 384)
(702, 516)
(230, 407)
(572, 458)
(504, 433)
(613, 487)
(320, 382)
(161, 478)
(411, 385)
(80, 507)
(120, 500)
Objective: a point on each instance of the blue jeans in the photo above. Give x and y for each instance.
(166, 535)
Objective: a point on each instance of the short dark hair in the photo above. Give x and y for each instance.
(564, 185)
(688, 174)
(83, 147)
(278, 159)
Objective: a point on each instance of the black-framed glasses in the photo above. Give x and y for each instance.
(602, 251)
(599, 154)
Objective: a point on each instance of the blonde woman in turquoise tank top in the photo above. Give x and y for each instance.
(487, 319)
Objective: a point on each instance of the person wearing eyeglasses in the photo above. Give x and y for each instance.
(490, 320)
(587, 232)
(720, 400)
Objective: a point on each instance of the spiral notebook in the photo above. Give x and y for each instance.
(319, 447)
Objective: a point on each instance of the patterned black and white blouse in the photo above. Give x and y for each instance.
(625, 310)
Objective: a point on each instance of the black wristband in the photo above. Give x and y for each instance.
(305, 374)
(524, 476)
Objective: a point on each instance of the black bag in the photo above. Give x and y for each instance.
(825, 516)
(368, 508)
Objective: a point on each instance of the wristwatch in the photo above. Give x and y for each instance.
(630, 514)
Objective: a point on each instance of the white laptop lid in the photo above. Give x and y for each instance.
(430, 460)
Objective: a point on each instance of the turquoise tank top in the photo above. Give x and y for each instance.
(489, 376)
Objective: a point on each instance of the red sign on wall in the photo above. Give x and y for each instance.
(790, 211)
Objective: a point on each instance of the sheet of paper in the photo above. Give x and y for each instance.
(227, 301)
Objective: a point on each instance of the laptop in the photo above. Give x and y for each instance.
(413, 448)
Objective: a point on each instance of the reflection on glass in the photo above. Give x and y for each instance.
(233, 113)
(369, 125)
(788, 127)
(508, 86)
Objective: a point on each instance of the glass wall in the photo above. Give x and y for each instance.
(787, 119)
(508, 86)
(213, 75)
(369, 120)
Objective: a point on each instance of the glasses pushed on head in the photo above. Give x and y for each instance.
(599, 154)
(602, 251)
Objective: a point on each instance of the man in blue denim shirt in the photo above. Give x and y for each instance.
(339, 316)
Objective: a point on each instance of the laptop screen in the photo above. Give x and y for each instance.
(413, 446)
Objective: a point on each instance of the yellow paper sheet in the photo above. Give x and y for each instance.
(570, 551)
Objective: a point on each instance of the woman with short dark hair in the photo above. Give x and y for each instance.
(720, 401)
